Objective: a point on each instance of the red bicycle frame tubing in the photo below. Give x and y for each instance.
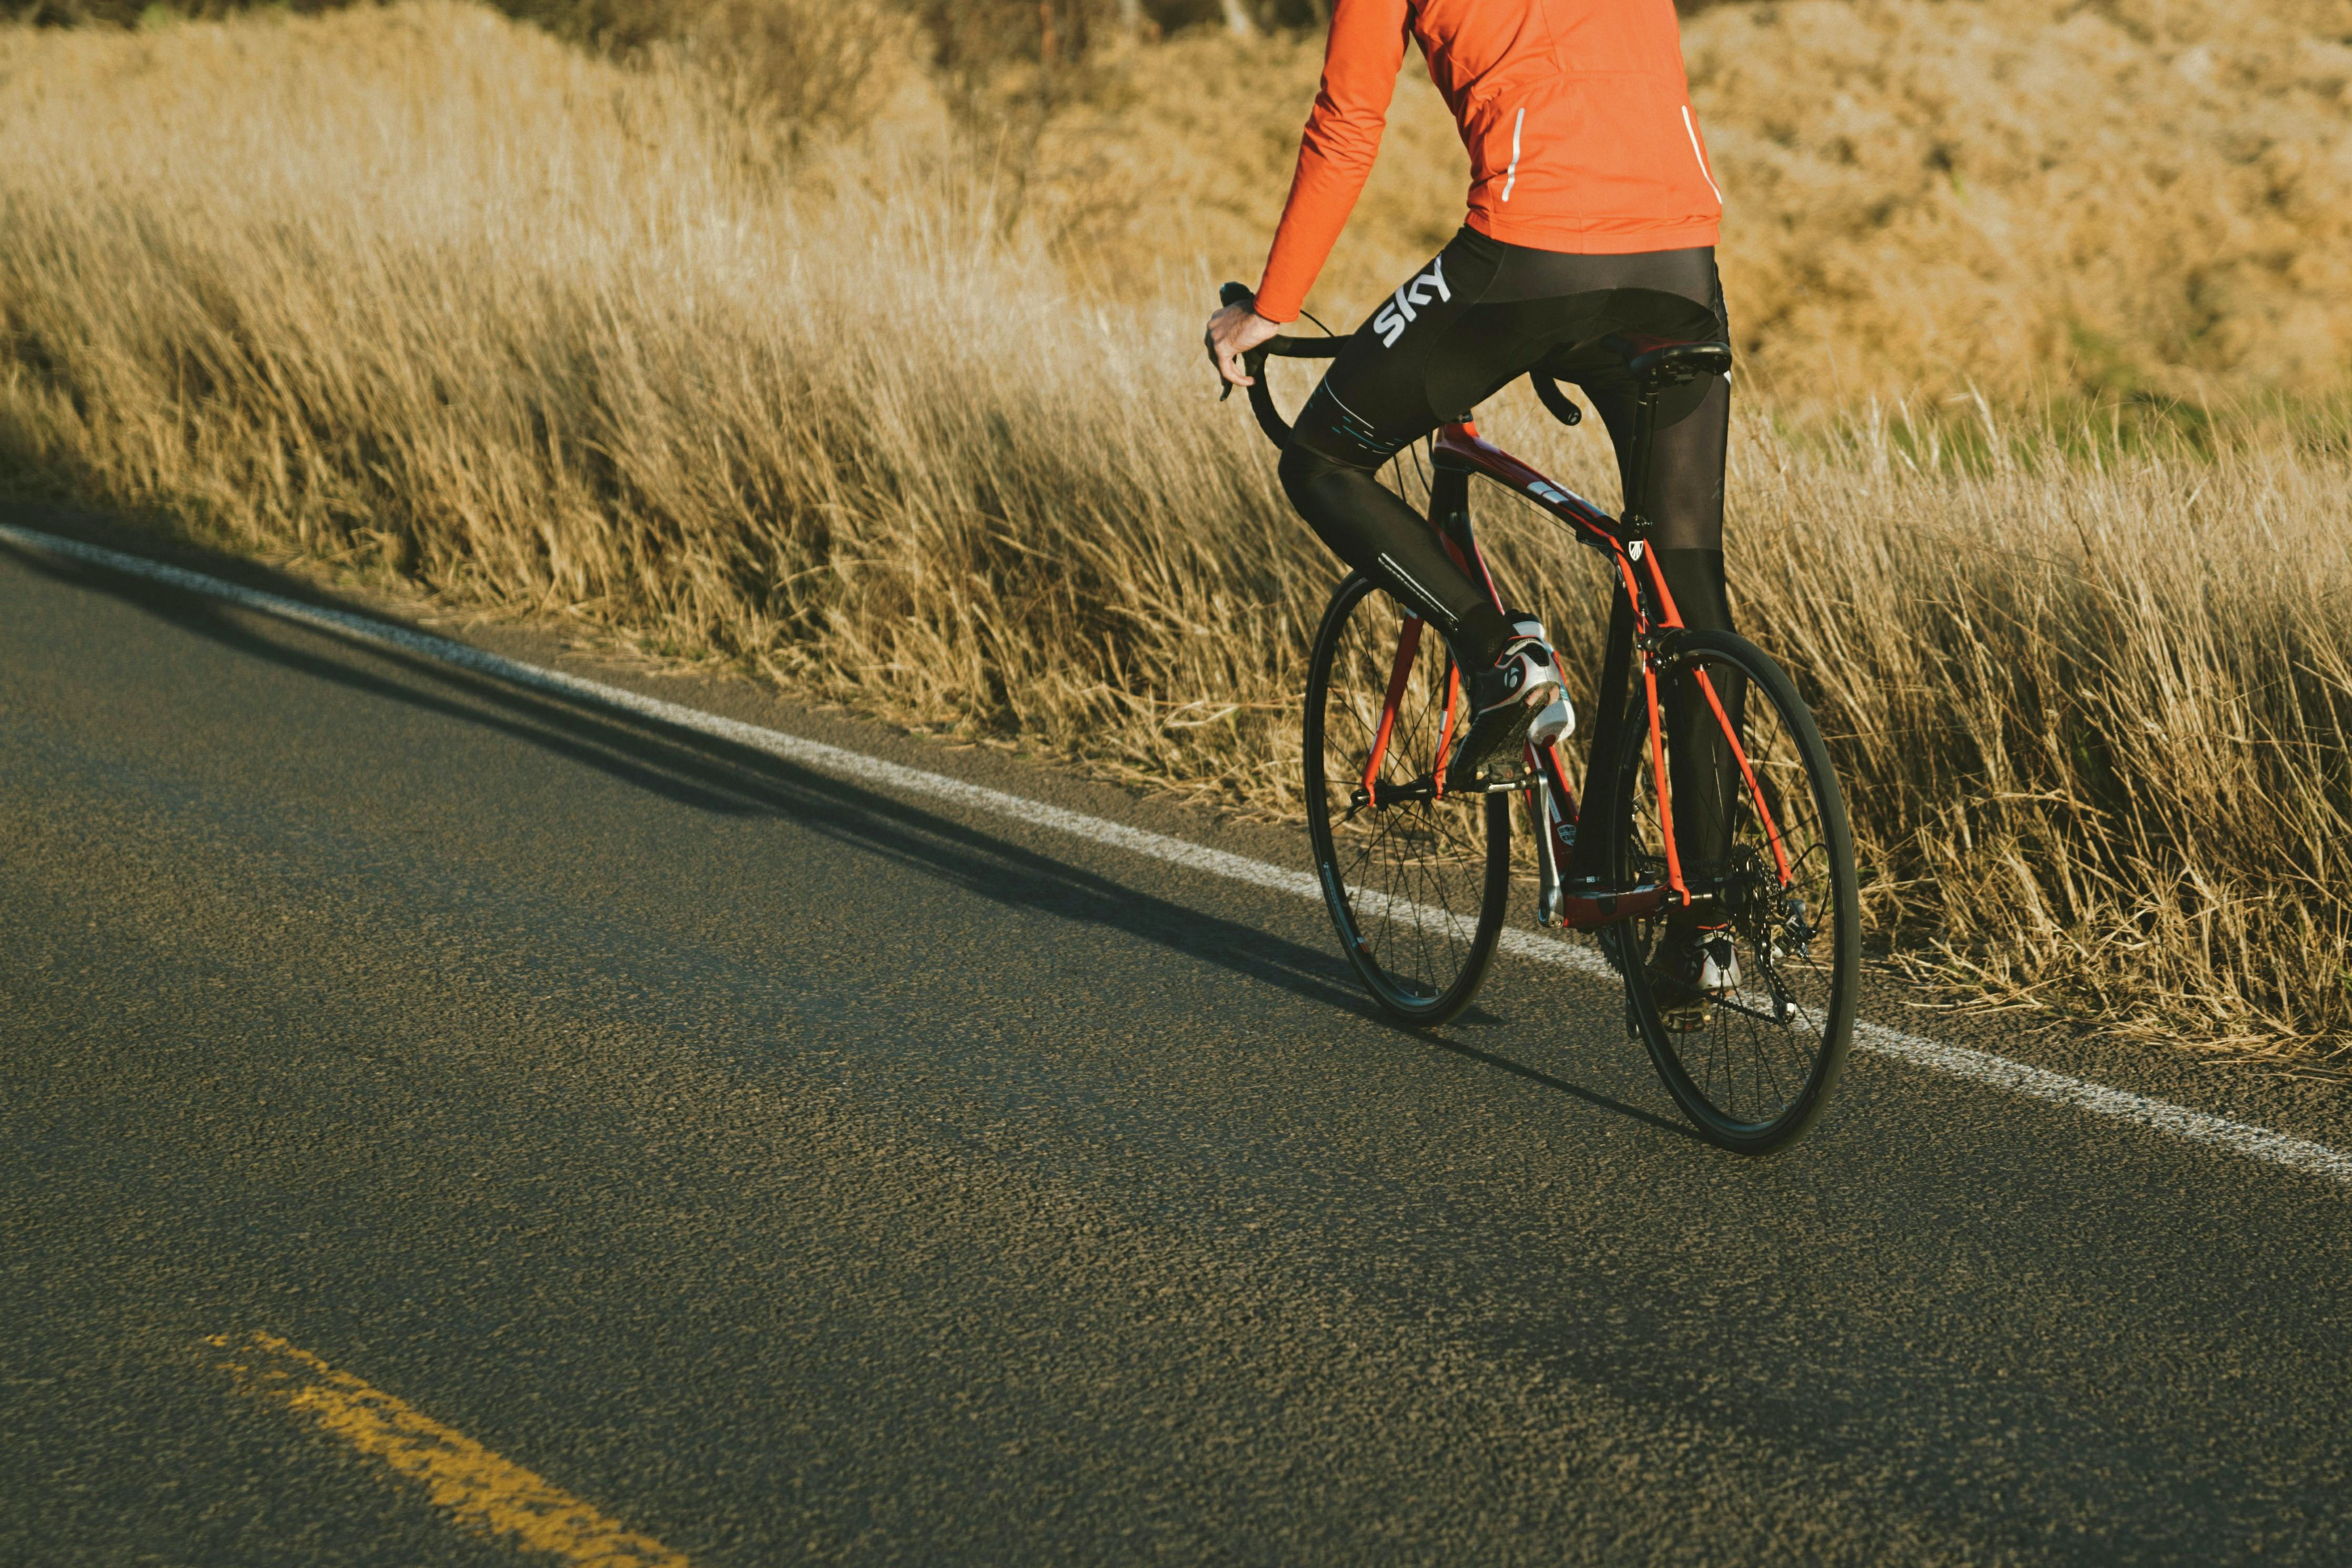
(1754, 790)
(1463, 443)
(1408, 645)
(1658, 776)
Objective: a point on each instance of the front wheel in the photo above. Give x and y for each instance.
(1752, 1052)
(1416, 881)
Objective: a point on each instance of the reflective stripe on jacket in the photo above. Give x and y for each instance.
(1576, 113)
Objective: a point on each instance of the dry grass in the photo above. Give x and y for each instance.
(2025, 196)
(444, 296)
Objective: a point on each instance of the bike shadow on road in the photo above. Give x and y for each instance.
(705, 773)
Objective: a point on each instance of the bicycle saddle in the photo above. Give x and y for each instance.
(1655, 362)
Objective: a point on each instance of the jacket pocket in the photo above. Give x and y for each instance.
(1641, 163)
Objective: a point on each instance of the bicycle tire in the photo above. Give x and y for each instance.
(1416, 888)
(1757, 1075)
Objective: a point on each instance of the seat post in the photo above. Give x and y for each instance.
(1646, 430)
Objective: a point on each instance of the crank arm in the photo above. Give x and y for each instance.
(1387, 794)
(1549, 899)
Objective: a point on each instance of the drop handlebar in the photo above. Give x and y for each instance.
(1261, 398)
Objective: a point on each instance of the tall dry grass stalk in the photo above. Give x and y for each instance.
(437, 294)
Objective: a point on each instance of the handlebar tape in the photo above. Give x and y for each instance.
(1254, 362)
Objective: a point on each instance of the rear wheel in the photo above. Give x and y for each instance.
(1755, 1066)
(1415, 883)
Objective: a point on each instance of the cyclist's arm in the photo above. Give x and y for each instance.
(1335, 153)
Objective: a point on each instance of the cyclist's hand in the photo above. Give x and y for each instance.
(1233, 333)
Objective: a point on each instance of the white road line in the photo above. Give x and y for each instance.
(1980, 1066)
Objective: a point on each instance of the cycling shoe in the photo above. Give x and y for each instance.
(1508, 704)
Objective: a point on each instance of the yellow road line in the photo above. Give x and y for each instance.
(484, 1491)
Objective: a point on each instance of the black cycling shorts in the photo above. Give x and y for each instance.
(1480, 315)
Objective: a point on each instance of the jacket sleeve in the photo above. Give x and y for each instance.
(1336, 151)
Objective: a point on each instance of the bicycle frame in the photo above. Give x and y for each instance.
(1459, 451)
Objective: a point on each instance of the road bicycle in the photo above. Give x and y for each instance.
(1416, 866)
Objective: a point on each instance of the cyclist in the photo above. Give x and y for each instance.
(1592, 211)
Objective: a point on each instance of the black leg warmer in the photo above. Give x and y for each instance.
(1370, 527)
(1707, 778)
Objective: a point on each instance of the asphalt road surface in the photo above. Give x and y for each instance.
(792, 1171)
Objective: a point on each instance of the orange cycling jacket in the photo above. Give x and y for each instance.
(1576, 112)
